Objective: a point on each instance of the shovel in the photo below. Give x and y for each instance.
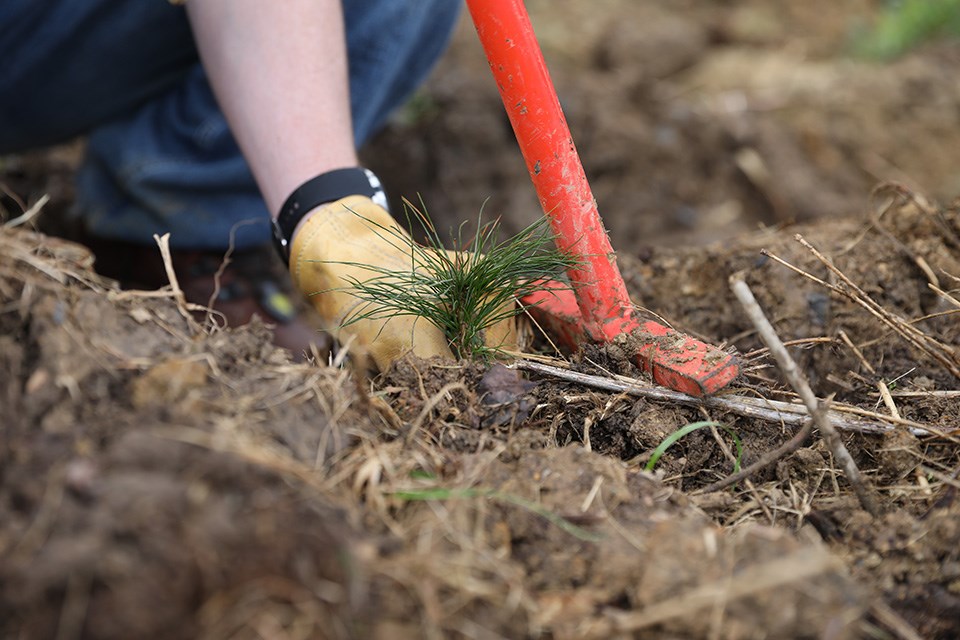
(597, 307)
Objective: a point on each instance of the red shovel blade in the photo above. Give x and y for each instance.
(679, 362)
(673, 359)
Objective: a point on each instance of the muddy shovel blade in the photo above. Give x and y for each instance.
(679, 362)
(673, 359)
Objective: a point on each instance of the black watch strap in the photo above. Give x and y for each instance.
(327, 187)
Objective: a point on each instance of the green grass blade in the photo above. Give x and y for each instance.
(685, 430)
(906, 24)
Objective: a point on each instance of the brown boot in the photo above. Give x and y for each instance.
(254, 282)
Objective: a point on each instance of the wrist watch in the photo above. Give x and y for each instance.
(326, 187)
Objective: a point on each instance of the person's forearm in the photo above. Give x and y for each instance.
(279, 70)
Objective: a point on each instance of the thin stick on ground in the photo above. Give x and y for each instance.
(218, 276)
(924, 343)
(29, 214)
(856, 351)
(893, 621)
(759, 408)
(782, 572)
(767, 459)
(888, 399)
(946, 296)
(183, 306)
(929, 344)
(793, 375)
(934, 393)
(7, 191)
(750, 355)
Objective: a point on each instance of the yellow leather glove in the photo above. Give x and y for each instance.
(326, 254)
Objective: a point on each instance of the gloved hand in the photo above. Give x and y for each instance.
(325, 255)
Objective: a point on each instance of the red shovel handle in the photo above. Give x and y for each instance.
(547, 146)
(603, 309)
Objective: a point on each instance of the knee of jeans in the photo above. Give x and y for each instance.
(446, 9)
(441, 14)
(419, 21)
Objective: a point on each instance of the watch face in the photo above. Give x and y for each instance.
(378, 195)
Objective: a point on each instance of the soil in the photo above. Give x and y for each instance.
(162, 481)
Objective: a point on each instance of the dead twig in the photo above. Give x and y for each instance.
(792, 569)
(10, 193)
(888, 399)
(893, 621)
(764, 461)
(218, 275)
(816, 410)
(29, 214)
(183, 306)
(943, 294)
(945, 393)
(924, 343)
(758, 408)
(443, 394)
(805, 342)
(856, 351)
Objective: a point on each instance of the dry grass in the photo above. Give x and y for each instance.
(450, 562)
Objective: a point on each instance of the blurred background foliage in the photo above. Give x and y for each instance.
(904, 24)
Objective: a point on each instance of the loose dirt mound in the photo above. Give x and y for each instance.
(162, 482)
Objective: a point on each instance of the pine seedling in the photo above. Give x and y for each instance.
(466, 291)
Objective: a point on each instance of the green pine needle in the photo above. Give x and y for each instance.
(463, 292)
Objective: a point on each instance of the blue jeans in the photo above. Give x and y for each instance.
(160, 157)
